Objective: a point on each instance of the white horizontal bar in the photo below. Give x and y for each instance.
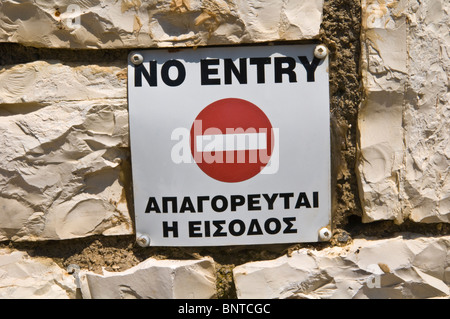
(231, 142)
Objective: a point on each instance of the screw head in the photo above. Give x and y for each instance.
(136, 58)
(324, 234)
(143, 240)
(73, 269)
(320, 51)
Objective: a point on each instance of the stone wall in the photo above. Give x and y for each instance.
(403, 121)
(66, 211)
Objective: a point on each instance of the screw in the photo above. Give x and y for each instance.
(320, 51)
(74, 270)
(142, 240)
(136, 58)
(324, 234)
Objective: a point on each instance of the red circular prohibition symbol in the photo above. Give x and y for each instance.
(231, 140)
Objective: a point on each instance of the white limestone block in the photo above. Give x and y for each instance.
(403, 163)
(64, 138)
(25, 277)
(42, 82)
(427, 114)
(167, 23)
(154, 279)
(401, 268)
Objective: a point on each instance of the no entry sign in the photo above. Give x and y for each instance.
(231, 140)
(230, 146)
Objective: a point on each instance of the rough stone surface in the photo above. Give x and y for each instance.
(64, 153)
(427, 113)
(64, 139)
(23, 277)
(404, 267)
(403, 120)
(136, 23)
(154, 279)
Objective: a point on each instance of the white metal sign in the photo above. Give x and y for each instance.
(230, 145)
